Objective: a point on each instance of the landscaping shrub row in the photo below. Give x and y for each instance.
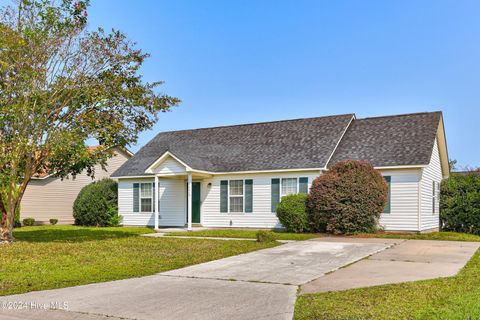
(349, 198)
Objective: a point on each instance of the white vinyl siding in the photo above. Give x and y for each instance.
(169, 166)
(261, 215)
(403, 215)
(125, 205)
(430, 200)
(172, 203)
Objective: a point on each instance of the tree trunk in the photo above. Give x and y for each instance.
(6, 224)
(6, 235)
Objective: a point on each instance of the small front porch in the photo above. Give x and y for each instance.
(182, 190)
(179, 190)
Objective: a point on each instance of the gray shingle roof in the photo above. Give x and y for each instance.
(293, 144)
(290, 144)
(390, 141)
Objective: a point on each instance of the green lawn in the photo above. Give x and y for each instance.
(448, 298)
(62, 256)
(243, 234)
(451, 236)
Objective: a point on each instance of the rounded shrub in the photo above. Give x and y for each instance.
(348, 198)
(460, 203)
(28, 222)
(96, 205)
(53, 221)
(292, 213)
(266, 236)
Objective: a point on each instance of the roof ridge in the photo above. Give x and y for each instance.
(256, 123)
(400, 115)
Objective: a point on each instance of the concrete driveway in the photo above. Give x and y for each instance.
(410, 260)
(256, 285)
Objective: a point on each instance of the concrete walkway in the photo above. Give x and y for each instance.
(411, 260)
(165, 235)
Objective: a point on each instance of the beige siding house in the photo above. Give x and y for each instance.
(50, 197)
(234, 176)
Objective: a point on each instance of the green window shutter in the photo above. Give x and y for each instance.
(224, 196)
(136, 197)
(388, 180)
(303, 185)
(153, 197)
(248, 195)
(275, 193)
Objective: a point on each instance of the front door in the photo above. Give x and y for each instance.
(195, 202)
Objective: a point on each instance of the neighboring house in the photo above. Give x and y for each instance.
(237, 174)
(48, 197)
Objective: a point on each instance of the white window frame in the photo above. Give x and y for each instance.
(297, 187)
(236, 196)
(140, 197)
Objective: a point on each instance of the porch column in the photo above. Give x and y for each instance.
(189, 203)
(155, 205)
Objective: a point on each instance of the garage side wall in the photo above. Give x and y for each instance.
(430, 197)
(404, 200)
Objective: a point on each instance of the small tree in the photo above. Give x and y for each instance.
(61, 85)
(348, 198)
(96, 204)
(460, 203)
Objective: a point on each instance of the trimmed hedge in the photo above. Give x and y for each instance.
(460, 203)
(292, 212)
(348, 198)
(96, 205)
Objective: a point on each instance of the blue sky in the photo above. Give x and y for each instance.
(259, 60)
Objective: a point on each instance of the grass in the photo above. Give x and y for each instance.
(63, 256)
(243, 234)
(444, 298)
(75, 234)
(450, 236)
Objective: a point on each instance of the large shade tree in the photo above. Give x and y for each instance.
(61, 85)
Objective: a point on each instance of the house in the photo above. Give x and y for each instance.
(48, 197)
(234, 176)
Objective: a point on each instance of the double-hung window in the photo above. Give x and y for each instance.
(146, 197)
(388, 180)
(289, 186)
(236, 195)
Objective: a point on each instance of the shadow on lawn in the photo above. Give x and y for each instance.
(69, 235)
